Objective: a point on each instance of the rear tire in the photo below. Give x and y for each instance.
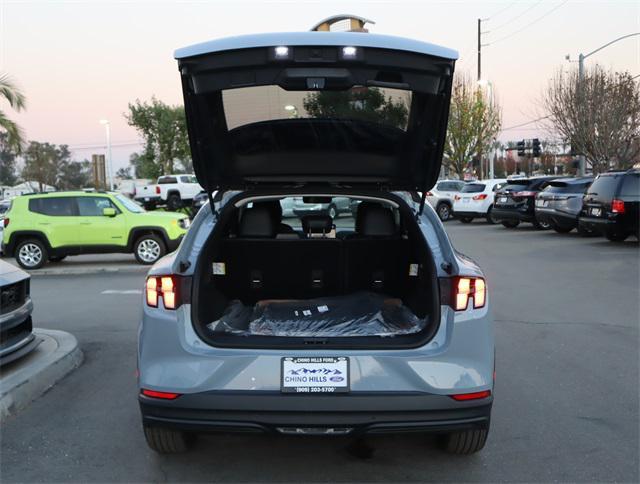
(510, 224)
(148, 249)
(444, 211)
(31, 254)
(562, 230)
(616, 236)
(466, 220)
(174, 202)
(466, 442)
(490, 219)
(541, 225)
(167, 441)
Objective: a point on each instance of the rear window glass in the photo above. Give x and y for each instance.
(566, 188)
(604, 186)
(266, 103)
(473, 188)
(166, 180)
(515, 187)
(630, 186)
(55, 206)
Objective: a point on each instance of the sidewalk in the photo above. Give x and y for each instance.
(89, 264)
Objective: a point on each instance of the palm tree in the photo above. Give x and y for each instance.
(10, 92)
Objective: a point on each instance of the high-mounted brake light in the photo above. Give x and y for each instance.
(617, 206)
(161, 395)
(482, 196)
(466, 288)
(165, 287)
(463, 397)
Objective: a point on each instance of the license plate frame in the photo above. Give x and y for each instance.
(324, 374)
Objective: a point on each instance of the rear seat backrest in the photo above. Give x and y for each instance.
(258, 222)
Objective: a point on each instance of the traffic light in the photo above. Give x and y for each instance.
(521, 147)
(535, 145)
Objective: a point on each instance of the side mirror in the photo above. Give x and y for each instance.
(109, 212)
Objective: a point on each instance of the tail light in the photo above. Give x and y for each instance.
(157, 190)
(429, 194)
(482, 196)
(524, 194)
(5, 222)
(457, 197)
(172, 289)
(617, 206)
(463, 397)
(161, 395)
(457, 291)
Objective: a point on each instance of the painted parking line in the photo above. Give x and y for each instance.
(117, 291)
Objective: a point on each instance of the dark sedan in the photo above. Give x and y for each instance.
(515, 202)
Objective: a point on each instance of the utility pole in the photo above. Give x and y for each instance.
(479, 49)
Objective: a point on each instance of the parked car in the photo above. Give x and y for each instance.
(4, 208)
(51, 226)
(515, 202)
(476, 200)
(387, 329)
(16, 336)
(559, 204)
(300, 206)
(174, 191)
(441, 197)
(198, 201)
(610, 205)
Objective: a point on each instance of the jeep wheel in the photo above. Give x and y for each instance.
(510, 224)
(174, 202)
(466, 442)
(148, 249)
(167, 441)
(444, 211)
(31, 254)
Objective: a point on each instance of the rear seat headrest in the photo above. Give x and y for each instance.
(258, 221)
(317, 224)
(374, 219)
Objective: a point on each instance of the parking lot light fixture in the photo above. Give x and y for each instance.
(107, 126)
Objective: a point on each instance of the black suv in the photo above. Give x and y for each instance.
(515, 202)
(610, 206)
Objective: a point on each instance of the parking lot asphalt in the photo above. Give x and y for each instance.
(566, 397)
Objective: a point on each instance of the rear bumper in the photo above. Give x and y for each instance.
(557, 218)
(247, 411)
(521, 215)
(597, 224)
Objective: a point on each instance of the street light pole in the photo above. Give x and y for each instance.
(107, 126)
(581, 58)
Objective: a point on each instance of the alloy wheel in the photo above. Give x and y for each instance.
(149, 250)
(30, 255)
(444, 212)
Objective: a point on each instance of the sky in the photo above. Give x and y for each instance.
(82, 61)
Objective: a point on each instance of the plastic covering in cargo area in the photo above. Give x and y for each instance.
(358, 314)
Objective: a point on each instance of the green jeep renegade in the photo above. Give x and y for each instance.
(50, 226)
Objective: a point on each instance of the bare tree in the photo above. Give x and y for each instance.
(599, 115)
(474, 123)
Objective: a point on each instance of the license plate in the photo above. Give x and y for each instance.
(146, 199)
(317, 374)
(465, 200)
(596, 212)
(502, 199)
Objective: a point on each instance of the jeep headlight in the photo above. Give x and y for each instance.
(184, 223)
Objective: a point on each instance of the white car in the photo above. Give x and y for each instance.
(441, 197)
(476, 200)
(174, 191)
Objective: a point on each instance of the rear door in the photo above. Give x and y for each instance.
(57, 218)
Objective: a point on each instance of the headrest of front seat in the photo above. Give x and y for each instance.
(317, 224)
(375, 220)
(258, 221)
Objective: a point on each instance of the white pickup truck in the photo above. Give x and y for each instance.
(174, 191)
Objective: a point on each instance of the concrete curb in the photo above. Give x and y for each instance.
(26, 379)
(88, 270)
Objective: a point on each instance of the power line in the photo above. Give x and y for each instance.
(530, 23)
(527, 10)
(526, 124)
(502, 10)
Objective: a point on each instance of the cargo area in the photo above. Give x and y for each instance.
(315, 270)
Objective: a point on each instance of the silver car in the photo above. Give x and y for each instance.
(253, 325)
